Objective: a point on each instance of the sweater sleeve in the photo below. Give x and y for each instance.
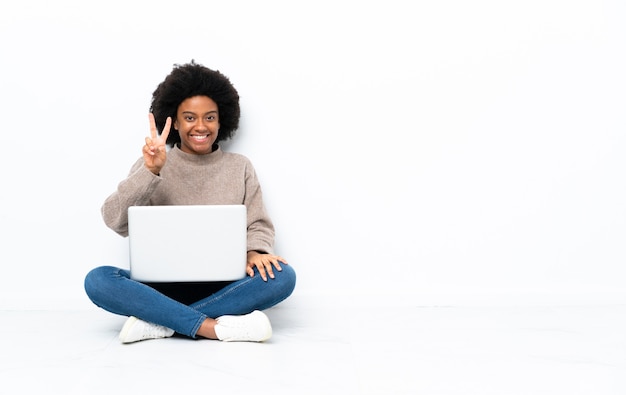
(260, 226)
(135, 190)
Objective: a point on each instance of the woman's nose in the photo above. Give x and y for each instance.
(200, 125)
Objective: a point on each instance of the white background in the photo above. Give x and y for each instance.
(426, 152)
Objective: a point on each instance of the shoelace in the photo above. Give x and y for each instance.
(151, 331)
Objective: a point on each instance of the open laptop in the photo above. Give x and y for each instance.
(187, 243)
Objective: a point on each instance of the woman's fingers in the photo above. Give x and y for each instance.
(166, 129)
(149, 147)
(164, 133)
(265, 264)
(153, 129)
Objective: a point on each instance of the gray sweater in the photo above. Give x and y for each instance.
(216, 178)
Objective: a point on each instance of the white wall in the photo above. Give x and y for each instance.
(427, 152)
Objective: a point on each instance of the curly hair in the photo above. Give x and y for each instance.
(189, 80)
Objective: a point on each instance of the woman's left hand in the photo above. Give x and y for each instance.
(265, 263)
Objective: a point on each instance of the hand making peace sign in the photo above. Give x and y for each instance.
(154, 152)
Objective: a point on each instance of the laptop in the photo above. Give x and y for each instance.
(194, 243)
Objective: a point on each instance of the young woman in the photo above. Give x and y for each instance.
(202, 106)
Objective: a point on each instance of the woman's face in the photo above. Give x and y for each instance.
(197, 123)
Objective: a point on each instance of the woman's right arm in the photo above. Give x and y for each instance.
(137, 188)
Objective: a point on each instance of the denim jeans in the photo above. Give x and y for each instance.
(112, 289)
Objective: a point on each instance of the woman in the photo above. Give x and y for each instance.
(203, 107)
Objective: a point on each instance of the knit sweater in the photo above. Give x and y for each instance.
(187, 179)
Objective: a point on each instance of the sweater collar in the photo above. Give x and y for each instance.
(209, 158)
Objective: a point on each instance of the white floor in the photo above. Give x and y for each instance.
(329, 350)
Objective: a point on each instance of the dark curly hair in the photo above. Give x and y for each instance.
(189, 80)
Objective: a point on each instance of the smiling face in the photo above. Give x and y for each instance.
(197, 123)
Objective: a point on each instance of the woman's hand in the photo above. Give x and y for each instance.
(154, 152)
(265, 263)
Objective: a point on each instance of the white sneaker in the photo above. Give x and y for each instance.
(253, 327)
(135, 330)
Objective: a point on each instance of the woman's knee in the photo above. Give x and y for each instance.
(287, 278)
(99, 281)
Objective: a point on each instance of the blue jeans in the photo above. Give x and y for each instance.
(112, 289)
